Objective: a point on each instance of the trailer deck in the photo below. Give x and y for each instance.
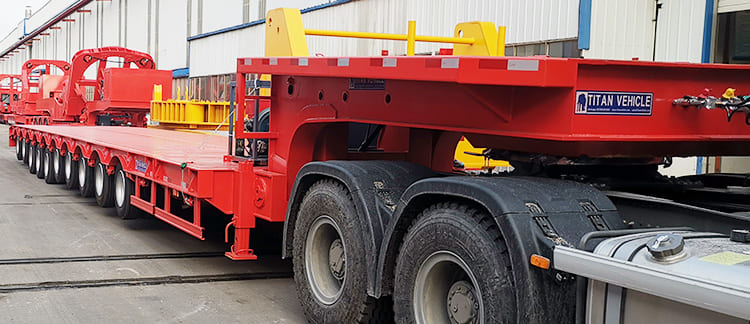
(201, 151)
(186, 165)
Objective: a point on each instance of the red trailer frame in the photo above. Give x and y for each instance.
(418, 102)
(25, 110)
(120, 95)
(8, 94)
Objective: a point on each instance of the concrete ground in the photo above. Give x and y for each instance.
(43, 221)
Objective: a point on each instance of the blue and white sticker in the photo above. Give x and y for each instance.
(141, 166)
(614, 103)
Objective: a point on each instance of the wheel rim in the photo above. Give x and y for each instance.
(46, 161)
(446, 291)
(325, 260)
(82, 172)
(120, 188)
(99, 179)
(56, 161)
(68, 168)
(38, 159)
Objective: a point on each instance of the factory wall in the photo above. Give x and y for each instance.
(624, 29)
(528, 22)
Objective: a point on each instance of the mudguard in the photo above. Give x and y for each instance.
(521, 206)
(375, 187)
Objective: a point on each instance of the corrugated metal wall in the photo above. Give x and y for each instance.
(218, 54)
(527, 21)
(624, 29)
(679, 35)
(733, 5)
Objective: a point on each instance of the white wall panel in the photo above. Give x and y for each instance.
(90, 28)
(679, 35)
(733, 5)
(137, 25)
(527, 21)
(221, 14)
(622, 29)
(172, 35)
(110, 23)
(218, 54)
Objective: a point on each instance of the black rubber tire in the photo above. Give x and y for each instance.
(106, 196)
(70, 173)
(58, 164)
(19, 149)
(26, 151)
(353, 305)
(40, 156)
(50, 177)
(32, 159)
(472, 236)
(122, 204)
(85, 187)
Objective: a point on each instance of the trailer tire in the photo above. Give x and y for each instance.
(58, 164)
(40, 157)
(103, 189)
(26, 148)
(123, 189)
(85, 178)
(50, 177)
(327, 227)
(32, 159)
(19, 148)
(70, 172)
(453, 257)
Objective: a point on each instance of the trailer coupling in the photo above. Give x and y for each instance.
(728, 101)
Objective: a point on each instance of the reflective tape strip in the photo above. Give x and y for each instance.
(449, 63)
(389, 62)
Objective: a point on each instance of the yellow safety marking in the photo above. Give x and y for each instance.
(726, 258)
(473, 162)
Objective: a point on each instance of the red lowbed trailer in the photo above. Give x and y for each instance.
(388, 220)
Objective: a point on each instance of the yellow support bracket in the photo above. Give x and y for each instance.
(285, 36)
(187, 114)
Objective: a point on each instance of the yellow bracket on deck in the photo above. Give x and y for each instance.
(285, 36)
(188, 114)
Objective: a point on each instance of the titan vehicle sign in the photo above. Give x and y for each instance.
(614, 103)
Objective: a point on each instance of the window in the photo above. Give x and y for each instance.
(733, 38)
(212, 88)
(558, 48)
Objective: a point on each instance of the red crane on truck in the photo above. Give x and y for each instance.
(375, 218)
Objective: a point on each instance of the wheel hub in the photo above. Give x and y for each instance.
(56, 162)
(38, 160)
(68, 167)
(99, 180)
(120, 189)
(325, 260)
(462, 304)
(81, 172)
(337, 260)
